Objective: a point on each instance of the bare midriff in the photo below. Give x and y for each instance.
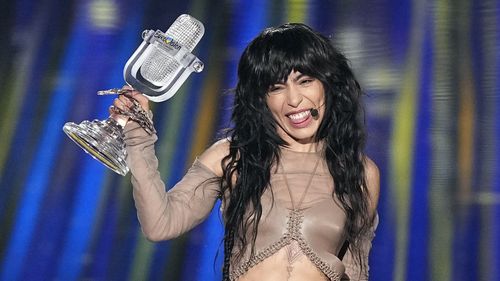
(277, 267)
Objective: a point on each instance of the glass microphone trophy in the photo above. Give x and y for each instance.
(158, 68)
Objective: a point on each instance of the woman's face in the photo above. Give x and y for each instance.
(291, 102)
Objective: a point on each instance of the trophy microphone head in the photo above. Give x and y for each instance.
(163, 61)
(160, 66)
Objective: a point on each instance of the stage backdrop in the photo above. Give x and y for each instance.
(430, 70)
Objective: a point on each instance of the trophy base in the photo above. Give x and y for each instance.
(102, 140)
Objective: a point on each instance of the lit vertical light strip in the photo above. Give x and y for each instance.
(496, 188)
(22, 96)
(466, 112)
(488, 179)
(418, 235)
(466, 109)
(123, 256)
(210, 96)
(245, 25)
(21, 74)
(402, 140)
(297, 10)
(395, 26)
(72, 257)
(41, 167)
(443, 141)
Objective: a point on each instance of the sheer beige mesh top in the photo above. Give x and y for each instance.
(298, 209)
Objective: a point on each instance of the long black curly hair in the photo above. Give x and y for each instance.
(254, 144)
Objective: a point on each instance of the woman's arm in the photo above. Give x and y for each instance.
(164, 215)
(353, 270)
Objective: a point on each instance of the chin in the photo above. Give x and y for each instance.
(303, 138)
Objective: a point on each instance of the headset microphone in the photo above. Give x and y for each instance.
(314, 113)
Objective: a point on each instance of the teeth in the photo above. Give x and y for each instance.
(300, 115)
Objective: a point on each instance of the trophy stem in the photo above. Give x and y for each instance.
(103, 140)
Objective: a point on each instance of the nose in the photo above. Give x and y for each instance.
(294, 96)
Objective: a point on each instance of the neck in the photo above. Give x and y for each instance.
(305, 147)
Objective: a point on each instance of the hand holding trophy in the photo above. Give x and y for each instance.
(157, 69)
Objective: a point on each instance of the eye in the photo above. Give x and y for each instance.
(274, 89)
(306, 81)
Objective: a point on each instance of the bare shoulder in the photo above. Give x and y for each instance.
(212, 156)
(372, 175)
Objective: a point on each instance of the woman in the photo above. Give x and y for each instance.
(299, 196)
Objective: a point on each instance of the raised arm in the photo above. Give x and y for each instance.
(164, 215)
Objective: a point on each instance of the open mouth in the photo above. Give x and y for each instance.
(300, 119)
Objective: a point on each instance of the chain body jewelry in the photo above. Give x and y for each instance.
(293, 250)
(293, 253)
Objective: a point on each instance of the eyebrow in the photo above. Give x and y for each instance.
(295, 79)
(299, 76)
